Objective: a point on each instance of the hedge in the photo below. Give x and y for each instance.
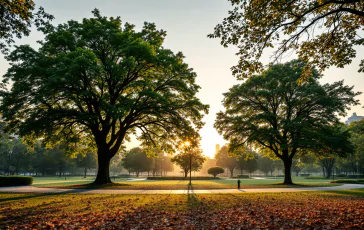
(353, 176)
(348, 181)
(305, 174)
(123, 176)
(15, 180)
(316, 177)
(242, 176)
(182, 178)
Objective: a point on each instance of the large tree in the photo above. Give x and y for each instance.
(322, 32)
(266, 165)
(189, 159)
(86, 161)
(136, 160)
(226, 159)
(273, 111)
(98, 82)
(161, 163)
(16, 19)
(356, 130)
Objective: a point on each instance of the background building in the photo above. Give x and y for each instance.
(354, 117)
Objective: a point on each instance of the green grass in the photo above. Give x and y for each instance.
(123, 183)
(351, 193)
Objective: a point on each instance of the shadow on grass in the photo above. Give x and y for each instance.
(191, 197)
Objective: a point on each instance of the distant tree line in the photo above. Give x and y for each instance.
(18, 158)
(137, 160)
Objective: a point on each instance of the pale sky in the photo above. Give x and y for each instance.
(187, 24)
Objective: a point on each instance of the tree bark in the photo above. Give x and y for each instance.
(329, 172)
(231, 172)
(323, 171)
(103, 172)
(186, 173)
(287, 171)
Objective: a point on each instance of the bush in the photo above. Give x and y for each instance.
(353, 176)
(348, 181)
(15, 180)
(215, 171)
(315, 177)
(305, 174)
(242, 176)
(181, 178)
(124, 176)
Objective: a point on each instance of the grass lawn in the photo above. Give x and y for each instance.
(123, 183)
(306, 210)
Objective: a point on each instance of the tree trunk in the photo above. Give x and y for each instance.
(323, 171)
(231, 173)
(186, 173)
(329, 172)
(103, 172)
(287, 171)
(85, 172)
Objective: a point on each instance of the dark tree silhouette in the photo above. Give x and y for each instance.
(97, 82)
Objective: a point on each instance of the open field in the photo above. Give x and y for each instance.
(329, 210)
(225, 183)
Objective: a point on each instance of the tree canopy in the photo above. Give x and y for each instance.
(226, 159)
(273, 111)
(215, 171)
(356, 130)
(322, 32)
(16, 18)
(97, 81)
(189, 156)
(136, 160)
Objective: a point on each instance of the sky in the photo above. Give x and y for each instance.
(187, 24)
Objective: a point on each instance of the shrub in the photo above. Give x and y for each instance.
(242, 176)
(125, 176)
(315, 177)
(15, 180)
(181, 178)
(353, 176)
(215, 171)
(305, 174)
(348, 181)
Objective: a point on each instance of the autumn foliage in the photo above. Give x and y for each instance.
(308, 210)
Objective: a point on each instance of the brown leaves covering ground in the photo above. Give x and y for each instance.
(308, 210)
